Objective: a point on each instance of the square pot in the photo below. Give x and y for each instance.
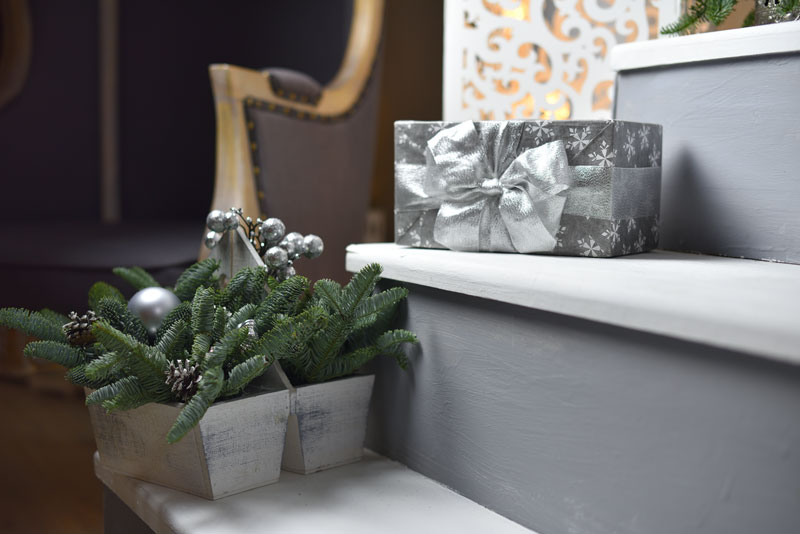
(328, 424)
(235, 447)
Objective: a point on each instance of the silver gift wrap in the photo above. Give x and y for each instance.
(572, 188)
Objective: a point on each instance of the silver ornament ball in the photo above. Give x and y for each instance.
(216, 221)
(211, 240)
(231, 220)
(312, 246)
(277, 257)
(293, 243)
(272, 230)
(250, 324)
(151, 305)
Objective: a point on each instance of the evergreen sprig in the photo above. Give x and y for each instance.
(713, 11)
(319, 336)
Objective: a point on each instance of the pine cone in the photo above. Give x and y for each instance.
(79, 329)
(184, 378)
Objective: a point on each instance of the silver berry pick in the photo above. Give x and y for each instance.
(231, 220)
(293, 243)
(277, 257)
(212, 238)
(272, 230)
(216, 221)
(312, 246)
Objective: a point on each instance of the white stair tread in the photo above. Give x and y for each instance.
(744, 305)
(740, 42)
(374, 495)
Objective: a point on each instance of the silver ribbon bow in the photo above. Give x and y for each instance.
(489, 201)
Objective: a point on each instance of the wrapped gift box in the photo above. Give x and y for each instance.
(574, 188)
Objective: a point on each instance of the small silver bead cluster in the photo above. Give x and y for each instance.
(279, 249)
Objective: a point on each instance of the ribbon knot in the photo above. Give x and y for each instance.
(491, 200)
(492, 187)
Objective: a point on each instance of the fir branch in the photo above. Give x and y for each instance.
(389, 343)
(223, 349)
(203, 311)
(176, 340)
(142, 361)
(56, 352)
(101, 290)
(136, 277)
(116, 314)
(201, 345)
(131, 394)
(207, 392)
(220, 322)
(111, 390)
(77, 375)
(286, 298)
(385, 302)
(244, 373)
(54, 317)
(182, 312)
(32, 323)
(107, 366)
(241, 315)
(201, 274)
(246, 287)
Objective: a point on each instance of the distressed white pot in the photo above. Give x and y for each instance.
(237, 445)
(328, 424)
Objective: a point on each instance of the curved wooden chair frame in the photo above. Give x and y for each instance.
(232, 86)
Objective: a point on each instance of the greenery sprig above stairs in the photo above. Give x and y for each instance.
(716, 11)
(320, 335)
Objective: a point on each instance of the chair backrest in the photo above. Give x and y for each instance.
(290, 148)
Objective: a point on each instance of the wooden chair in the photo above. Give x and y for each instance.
(290, 148)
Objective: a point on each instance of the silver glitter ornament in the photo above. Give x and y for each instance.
(216, 221)
(293, 243)
(212, 238)
(312, 246)
(277, 257)
(285, 273)
(231, 220)
(151, 305)
(272, 230)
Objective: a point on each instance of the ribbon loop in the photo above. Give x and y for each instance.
(488, 204)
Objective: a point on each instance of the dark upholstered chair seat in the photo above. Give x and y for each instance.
(52, 265)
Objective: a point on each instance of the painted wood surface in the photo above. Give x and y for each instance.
(328, 424)
(374, 495)
(237, 445)
(730, 182)
(741, 42)
(567, 425)
(743, 305)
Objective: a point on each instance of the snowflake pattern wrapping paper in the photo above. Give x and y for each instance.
(610, 206)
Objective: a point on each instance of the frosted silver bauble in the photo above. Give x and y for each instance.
(231, 220)
(312, 246)
(277, 257)
(151, 305)
(293, 243)
(216, 221)
(211, 240)
(272, 230)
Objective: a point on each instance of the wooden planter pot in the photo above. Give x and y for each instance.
(237, 445)
(328, 424)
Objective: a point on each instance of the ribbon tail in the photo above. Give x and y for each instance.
(458, 224)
